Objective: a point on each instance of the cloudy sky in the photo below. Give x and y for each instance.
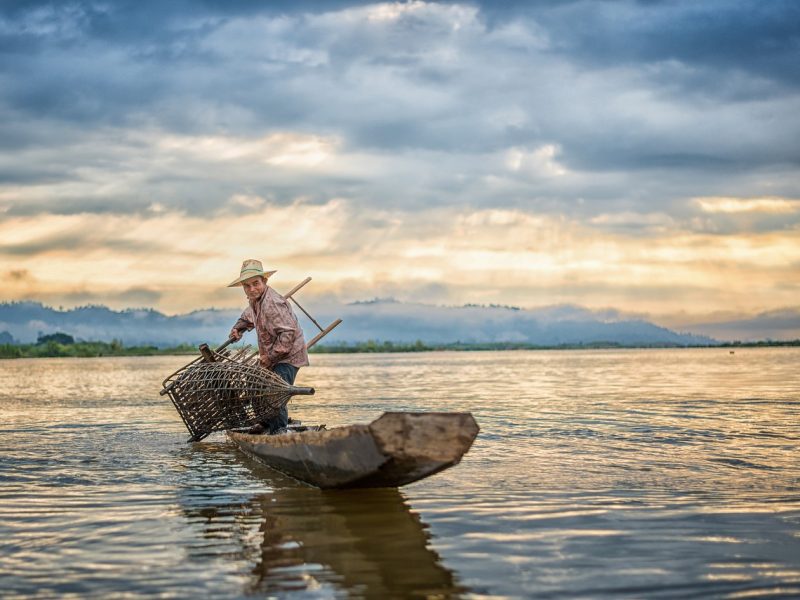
(640, 156)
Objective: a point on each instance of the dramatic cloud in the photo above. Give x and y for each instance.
(638, 155)
(741, 205)
(433, 254)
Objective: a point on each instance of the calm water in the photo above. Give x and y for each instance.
(647, 474)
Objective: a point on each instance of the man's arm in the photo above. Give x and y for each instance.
(285, 325)
(282, 346)
(245, 323)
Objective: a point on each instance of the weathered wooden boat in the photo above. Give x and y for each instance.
(396, 449)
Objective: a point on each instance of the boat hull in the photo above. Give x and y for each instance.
(396, 449)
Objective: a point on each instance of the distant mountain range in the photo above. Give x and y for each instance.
(380, 320)
(781, 324)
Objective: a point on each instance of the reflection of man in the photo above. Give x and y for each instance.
(281, 346)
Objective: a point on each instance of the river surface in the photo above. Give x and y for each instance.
(597, 474)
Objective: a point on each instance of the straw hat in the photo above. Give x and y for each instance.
(250, 268)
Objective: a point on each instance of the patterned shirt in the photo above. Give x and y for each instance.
(280, 338)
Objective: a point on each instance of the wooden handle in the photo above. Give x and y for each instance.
(301, 391)
(323, 333)
(223, 346)
(208, 355)
(297, 287)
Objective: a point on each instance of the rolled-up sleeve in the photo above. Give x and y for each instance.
(246, 322)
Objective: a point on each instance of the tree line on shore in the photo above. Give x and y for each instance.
(64, 345)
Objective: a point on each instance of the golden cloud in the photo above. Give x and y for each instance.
(288, 149)
(721, 204)
(489, 255)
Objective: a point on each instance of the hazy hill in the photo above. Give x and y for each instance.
(384, 320)
(781, 324)
(25, 321)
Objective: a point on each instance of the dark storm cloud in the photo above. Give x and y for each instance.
(153, 27)
(22, 174)
(646, 103)
(751, 35)
(72, 205)
(78, 241)
(760, 37)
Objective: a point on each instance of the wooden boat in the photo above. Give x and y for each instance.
(395, 449)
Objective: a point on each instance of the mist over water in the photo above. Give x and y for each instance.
(613, 473)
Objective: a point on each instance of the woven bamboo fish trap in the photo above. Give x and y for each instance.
(227, 390)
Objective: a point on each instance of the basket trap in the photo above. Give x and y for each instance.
(223, 390)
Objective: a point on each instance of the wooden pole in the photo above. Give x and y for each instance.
(225, 345)
(208, 356)
(297, 287)
(323, 333)
(305, 312)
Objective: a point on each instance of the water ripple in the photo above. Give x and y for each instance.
(603, 474)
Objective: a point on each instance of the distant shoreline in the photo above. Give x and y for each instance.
(116, 348)
(378, 347)
(89, 350)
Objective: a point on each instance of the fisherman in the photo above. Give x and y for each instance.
(281, 346)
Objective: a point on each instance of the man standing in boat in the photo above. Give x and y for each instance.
(281, 346)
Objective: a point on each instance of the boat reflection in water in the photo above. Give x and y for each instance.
(367, 542)
(357, 543)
